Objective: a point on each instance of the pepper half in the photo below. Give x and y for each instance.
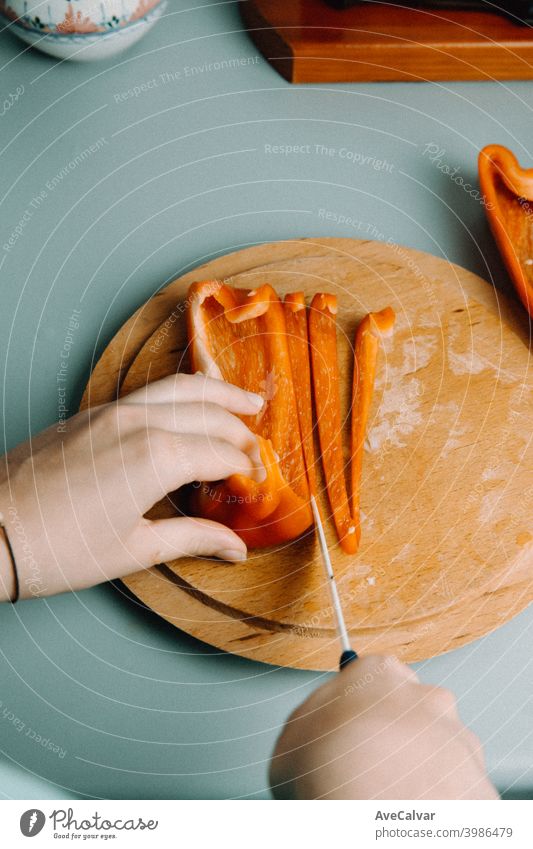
(508, 195)
(239, 335)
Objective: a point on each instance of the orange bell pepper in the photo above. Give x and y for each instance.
(249, 338)
(323, 339)
(298, 342)
(367, 336)
(508, 193)
(263, 514)
(240, 336)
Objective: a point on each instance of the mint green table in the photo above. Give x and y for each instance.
(116, 178)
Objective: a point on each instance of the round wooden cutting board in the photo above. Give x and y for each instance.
(447, 531)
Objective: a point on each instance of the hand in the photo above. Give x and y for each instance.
(374, 732)
(73, 502)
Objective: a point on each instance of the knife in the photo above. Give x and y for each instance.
(348, 654)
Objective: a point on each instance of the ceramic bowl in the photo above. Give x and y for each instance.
(84, 30)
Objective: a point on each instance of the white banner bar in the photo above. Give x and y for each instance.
(313, 825)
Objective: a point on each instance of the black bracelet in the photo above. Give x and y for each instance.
(13, 562)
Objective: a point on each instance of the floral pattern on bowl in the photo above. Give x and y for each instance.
(67, 17)
(83, 30)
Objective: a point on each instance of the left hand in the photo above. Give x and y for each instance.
(74, 502)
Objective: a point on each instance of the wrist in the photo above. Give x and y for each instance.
(18, 566)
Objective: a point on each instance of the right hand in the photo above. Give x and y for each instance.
(374, 732)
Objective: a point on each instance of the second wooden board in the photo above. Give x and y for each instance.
(447, 547)
(309, 42)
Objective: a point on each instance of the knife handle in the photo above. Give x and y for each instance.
(347, 657)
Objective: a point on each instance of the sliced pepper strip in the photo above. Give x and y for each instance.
(366, 345)
(239, 336)
(508, 194)
(323, 341)
(298, 342)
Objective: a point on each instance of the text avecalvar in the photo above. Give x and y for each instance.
(405, 815)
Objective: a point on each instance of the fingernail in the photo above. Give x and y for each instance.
(234, 554)
(256, 399)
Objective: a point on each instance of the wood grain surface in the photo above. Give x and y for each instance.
(447, 489)
(309, 42)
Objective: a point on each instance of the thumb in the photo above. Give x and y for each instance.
(168, 539)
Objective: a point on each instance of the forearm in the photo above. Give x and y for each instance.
(43, 519)
(40, 536)
(8, 580)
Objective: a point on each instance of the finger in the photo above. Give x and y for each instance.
(180, 388)
(439, 700)
(400, 670)
(206, 419)
(177, 458)
(169, 539)
(474, 744)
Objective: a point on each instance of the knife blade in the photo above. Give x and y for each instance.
(348, 654)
